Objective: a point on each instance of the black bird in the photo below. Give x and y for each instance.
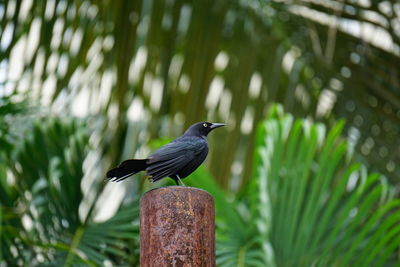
(176, 160)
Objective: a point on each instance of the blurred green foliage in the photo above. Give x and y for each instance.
(147, 69)
(307, 203)
(85, 84)
(40, 205)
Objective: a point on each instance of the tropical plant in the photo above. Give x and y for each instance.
(43, 216)
(167, 64)
(242, 231)
(135, 71)
(308, 203)
(326, 210)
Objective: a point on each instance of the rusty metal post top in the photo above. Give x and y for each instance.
(177, 227)
(177, 188)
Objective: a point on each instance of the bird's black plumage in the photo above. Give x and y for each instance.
(176, 159)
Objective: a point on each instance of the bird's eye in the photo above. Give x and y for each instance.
(205, 125)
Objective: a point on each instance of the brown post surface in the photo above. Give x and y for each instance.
(177, 227)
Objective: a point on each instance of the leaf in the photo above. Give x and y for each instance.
(323, 210)
(48, 173)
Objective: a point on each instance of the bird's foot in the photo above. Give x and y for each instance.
(180, 181)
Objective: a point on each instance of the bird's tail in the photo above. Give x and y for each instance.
(126, 168)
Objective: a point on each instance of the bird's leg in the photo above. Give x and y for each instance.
(179, 178)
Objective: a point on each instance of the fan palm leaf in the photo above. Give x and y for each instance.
(42, 222)
(325, 208)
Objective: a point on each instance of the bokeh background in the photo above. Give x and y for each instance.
(86, 84)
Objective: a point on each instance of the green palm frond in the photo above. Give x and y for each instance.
(43, 218)
(308, 203)
(241, 236)
(164, 54)
(9, 108)
(325, 210)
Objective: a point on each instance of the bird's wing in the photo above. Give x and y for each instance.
(193, 164)
(178, 147)
(172, 157)
(169, 167)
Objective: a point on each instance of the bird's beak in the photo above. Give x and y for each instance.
(216, 125)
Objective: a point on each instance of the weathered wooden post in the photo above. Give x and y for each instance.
(177, 227)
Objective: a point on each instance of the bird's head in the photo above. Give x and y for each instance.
(202, 128)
